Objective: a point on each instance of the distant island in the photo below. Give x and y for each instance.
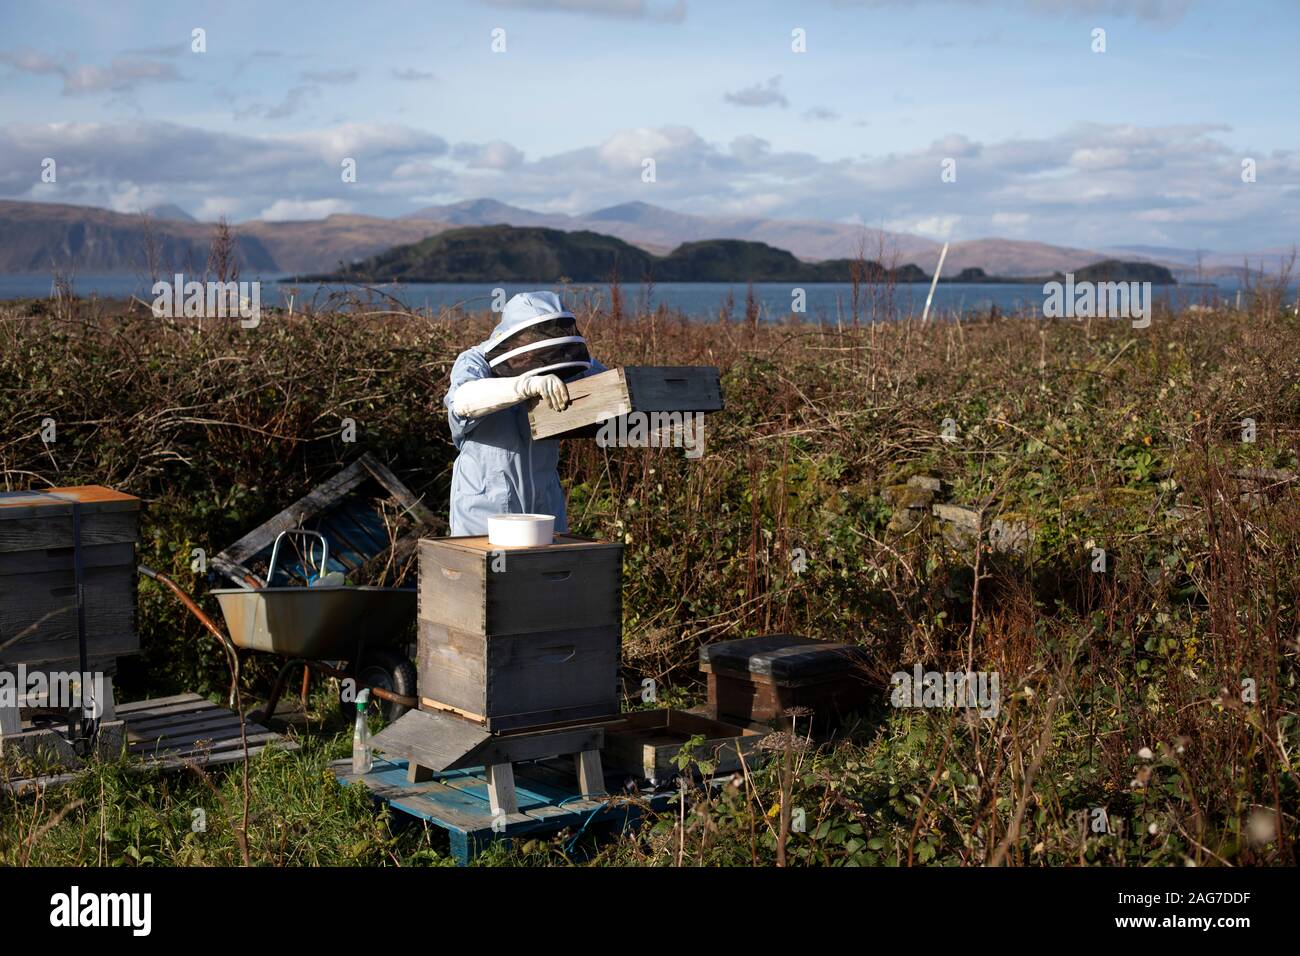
(478, 254)
(1108, 270)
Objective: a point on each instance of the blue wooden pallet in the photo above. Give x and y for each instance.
(457, 801)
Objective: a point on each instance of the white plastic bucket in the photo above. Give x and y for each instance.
(521, 531)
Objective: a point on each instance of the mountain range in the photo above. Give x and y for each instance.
(659, 230)
(37, 238)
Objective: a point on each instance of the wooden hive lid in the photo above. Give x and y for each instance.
(49, 502)
(781, 657)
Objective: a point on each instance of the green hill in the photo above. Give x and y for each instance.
(1115, 270)
(536, 254)
(510, 254)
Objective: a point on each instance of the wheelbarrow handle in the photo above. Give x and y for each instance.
(206, 621)
(299, 533)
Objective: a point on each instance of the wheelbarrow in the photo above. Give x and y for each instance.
(351, 633)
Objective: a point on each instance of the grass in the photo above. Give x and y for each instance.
(1148, 712)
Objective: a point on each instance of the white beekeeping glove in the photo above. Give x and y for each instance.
(549, 387)
(483, 396)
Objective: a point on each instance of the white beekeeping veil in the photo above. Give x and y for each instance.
(536, 335)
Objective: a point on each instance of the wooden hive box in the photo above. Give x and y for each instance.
(520, 637)
(755, 680)
(645, 742)
(38, 599)
(636, 388)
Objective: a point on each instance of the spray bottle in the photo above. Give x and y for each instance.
(361, 760)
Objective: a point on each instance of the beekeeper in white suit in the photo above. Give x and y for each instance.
(533, 351)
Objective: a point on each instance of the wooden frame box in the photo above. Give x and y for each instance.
(755, 680)
(636, 388)
(471, 585)
(512, 638)
(645, 742)
(513, 681)
(38, 600)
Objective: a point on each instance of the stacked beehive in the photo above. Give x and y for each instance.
(515, 638)
(39, 621)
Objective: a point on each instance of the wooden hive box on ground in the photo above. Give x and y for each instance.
(636, 388)
(520, 637)
(755, 680)
(645, 742)
(38, 593)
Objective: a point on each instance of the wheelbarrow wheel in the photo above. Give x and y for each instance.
(389, 669)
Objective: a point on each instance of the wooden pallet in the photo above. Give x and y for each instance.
(457, 801)
(171, 732)
(360, 511)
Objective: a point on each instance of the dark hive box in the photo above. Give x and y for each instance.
(757, 679)
(38, 594)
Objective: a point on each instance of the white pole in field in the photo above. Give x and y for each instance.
(925, 316)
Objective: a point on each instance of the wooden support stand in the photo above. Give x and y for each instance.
(501, 782)
(434, 742)
(50, 745)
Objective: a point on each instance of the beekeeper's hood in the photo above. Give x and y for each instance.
(536, 335)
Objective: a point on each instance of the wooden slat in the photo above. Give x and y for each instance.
(317, 502)
(55, 531)
(164, 733)
(645, 742)
(323, 496)
(216, 746)
(475, 784)
(174, 722)
(94, 499)
(212, 727)
(401, 494)
(264, 742)
(39, 560)
(431, 739)
(592, 399)
(154, 702)
(498, 749)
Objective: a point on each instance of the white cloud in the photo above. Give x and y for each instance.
(932, 227)
(1087, 186)
(283, 210)
(494, 155)
(123, 73)
(215, 207)
(131, 197)
(760, 94)
(627, 148)
(1013, 221)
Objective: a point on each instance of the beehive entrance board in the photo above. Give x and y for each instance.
(636, 388)
(520, 637)
(38, 593)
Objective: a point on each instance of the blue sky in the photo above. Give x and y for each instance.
(1051, 141)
